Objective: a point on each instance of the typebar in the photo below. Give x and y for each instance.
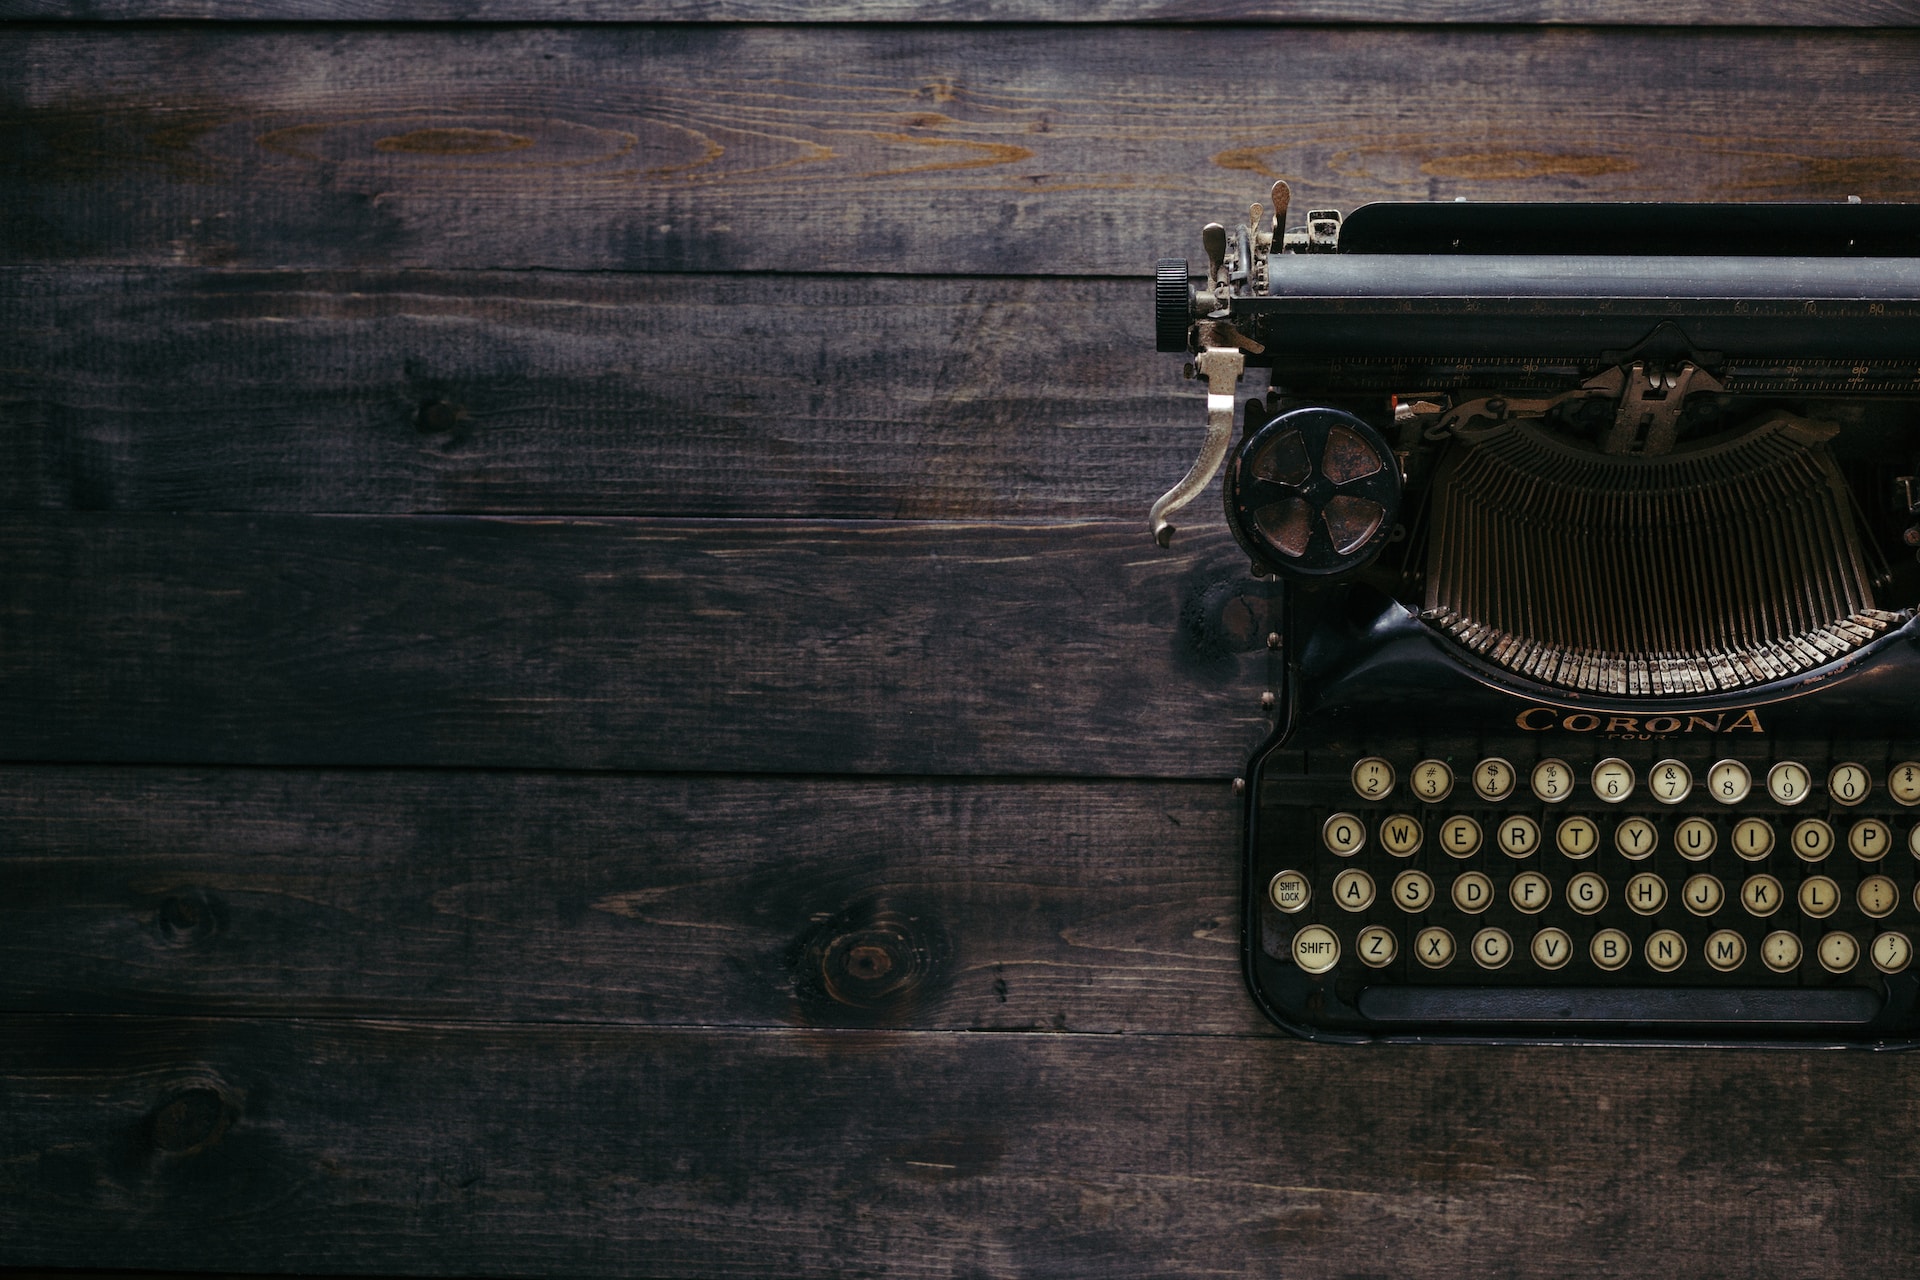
(1619, 1004)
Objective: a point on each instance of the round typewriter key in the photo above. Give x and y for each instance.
(1612, 780)
(1666, 950)
(1433, 947)
(1577, 837)
(1838, 952)
(1702, 895)
(1353, 889)
(1431, 780)
(1904, 783)
(1877, 896)
(1472, 893)
(1818, 896)
(1493, 778)
(1401, 835)
(1316, 949)
(1913, 841)
(1586, 893)
(1694, 839)
(1869, 839)
(1492, 948)
(1460, 835)
(1812, 839)
(1753, 838)
(1530, 892)
(1376, 947)
(1552, 948)
(1413, 890)
(1610, 949)
(1848, 784)
(1891, 952)
(1789, 782)
(1646, 893)
(1635, 838)
(1373, 778)
(1780, 950)
(1762, 895)
(1289, 891)
(1725, 950)
(1518, 836)
(1728, 782)
(1552, 780)
(1343, 834)
(1670, 782)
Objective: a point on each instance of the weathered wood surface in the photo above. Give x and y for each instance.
(1052, 150)
(665, 901)
(554, 1150)
(737, 646)
(804, 396)
(1823, 13)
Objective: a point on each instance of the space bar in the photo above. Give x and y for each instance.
(1619, 1004)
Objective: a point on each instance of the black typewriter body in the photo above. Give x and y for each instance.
(1597, 697)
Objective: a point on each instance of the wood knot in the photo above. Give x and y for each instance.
(190, 1121)
(874, 963)
(187, 916)
(438, 417)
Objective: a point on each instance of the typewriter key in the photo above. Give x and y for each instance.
(1812, 839)
(1434, 947)
(1612, 780)
(1376, 947)
(1401, 835)
(1702, 894)
(1460, 836)
(1518, 836)
(1373, 778)
(1870, 839)
(1610, 949)
(1577, 837)
(1839, 952)
(1762, 895)
(1316, 949)
(1789, 782)
(1725, 949)
(1891, 952)
(1646, 893)
(1552, 948)
(1913, 841)
(1530, 892)
(1492, 948)
(1552, 780)
(1493, 779)
(1848, 784)
(1353, 889)
(1472, 892)
(1904, 783)
(1289, 891)
(1666, 950)
(1877, 896)
(1343, 834)
(1728, 782)
(1818, 897)
(1670, 782)
(1694, 839)
(1780, 951)
(1753, 838)
(1431, 780)
(1635, 838)
(1413, 890)
(1586, 893)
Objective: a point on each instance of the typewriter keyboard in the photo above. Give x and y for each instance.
(1494, 869)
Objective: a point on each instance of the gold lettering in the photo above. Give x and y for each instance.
(1623, 724)
(1522, 718)
(1749, 720)
(1701, 722)
(1664, 724)
(1592, 723)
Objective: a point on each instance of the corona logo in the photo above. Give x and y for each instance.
(1541, 719)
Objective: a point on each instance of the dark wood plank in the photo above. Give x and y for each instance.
(191, 390)
(1052, 150)
(692, 901)
(554, 1150)
(739, 646)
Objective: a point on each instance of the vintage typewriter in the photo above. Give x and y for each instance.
(1597, 694)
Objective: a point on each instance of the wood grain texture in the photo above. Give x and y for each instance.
(553, 1150)
(945, 150)
(1087, 906)
(1764, 13)
(801, 396)
(880, 647)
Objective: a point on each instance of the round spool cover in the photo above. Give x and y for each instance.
(1316, 492)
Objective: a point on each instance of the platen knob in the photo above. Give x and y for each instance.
(1172, 305)
(1314, 493)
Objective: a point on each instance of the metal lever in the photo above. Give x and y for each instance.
(1221, 367)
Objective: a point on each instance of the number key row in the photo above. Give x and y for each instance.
(1613, 780)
